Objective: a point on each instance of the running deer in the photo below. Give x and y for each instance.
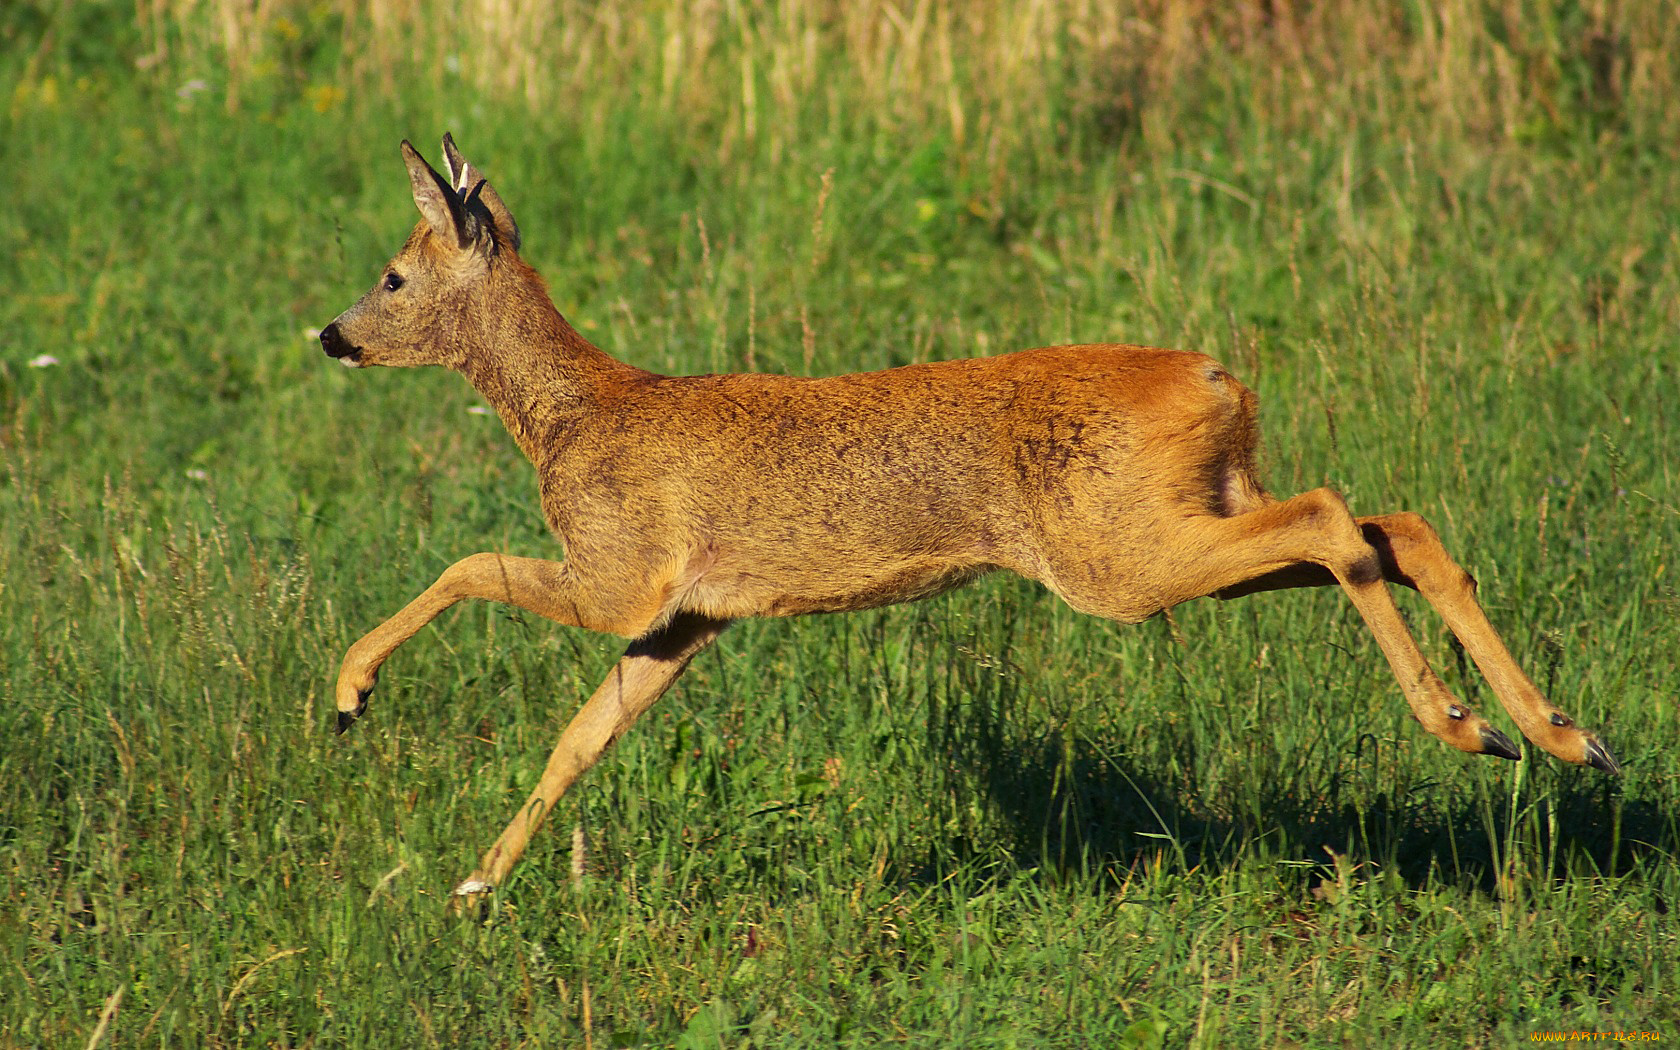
(1122, 478)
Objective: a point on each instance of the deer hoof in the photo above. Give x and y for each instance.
(1599, 757)
(1496, 743)
(346, 719)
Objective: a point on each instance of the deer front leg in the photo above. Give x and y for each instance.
(648, 668)
(547, 588)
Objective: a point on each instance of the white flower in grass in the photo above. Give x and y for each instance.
(198, 475)
(479, 410)
(42, 361)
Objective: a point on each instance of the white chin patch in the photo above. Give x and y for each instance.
(349, 361)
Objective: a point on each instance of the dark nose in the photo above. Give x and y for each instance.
(334, 343)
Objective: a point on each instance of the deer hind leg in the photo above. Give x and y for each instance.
(1313, 539)
(642, 676)
(1412, 555)
(546, 588)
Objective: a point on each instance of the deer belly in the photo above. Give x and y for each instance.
(841, 585)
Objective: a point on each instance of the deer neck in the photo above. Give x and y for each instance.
(535, 370)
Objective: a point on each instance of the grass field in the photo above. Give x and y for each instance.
(1440, 241)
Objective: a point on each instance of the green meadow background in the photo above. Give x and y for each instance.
(1439, 239)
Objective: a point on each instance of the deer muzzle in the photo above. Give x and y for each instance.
(338, 347)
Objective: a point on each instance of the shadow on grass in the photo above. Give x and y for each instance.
(1074, 806)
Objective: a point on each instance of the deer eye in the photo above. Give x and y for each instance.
(393, 281)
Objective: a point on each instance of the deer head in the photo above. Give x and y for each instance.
(430, 305)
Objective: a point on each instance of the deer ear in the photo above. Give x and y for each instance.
(471, 184)
(438, 204)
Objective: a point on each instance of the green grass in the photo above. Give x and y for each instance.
(1450, 273)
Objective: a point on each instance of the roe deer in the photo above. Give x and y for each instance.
(1120, 477)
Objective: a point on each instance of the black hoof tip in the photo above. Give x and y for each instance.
(1599, 757)
(1496, 743)
(347, 718)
